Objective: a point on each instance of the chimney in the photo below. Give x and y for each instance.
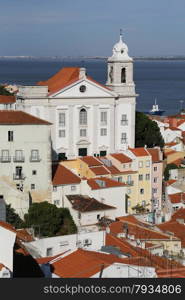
(82, 74)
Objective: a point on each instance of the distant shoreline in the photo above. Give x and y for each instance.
(64, 58)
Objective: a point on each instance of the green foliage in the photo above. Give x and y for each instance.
(147, 132)
(140, 208)
(49, 220)
(167, 169)
(3, 91)
(13, 218)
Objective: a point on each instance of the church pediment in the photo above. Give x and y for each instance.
(85, 88)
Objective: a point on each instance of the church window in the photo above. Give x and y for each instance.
(111, 74)
(103, 118)
(61, 133)
(123, 138)
(123, 75)
(83, 117)
(124, 120)
(83, 132)
(103, 131)
(61, 117)
(82, 88)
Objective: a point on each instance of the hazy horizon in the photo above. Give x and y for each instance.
(91, 28)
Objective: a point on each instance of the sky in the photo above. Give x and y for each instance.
(91, 28)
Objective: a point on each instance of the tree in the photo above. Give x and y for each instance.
(147, 132)
(167, 169)
(4, 91)
(49, 220)
(13, 218)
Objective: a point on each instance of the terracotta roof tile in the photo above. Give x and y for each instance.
(155, 154)
(177, 198)
(91, 161)
(122, 244)
(8, 117)
(84, 203)
(177, 162)
(170, 182)
(61, 79)
(7, 99)
(139, 151)
(176, 228)
(121, 157)
(62, 176)
(101, 170)
(179, 214)
(103, 182)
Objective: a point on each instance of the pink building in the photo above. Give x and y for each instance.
(157, 177)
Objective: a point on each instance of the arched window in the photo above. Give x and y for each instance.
(123, 75)
(83, 117)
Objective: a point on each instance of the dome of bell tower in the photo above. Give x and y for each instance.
(120, 51)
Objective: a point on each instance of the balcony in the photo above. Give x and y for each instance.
(124, 122)
(35, 159)
(19, 159)
(5, 159)
(18, 176)
(130, 182)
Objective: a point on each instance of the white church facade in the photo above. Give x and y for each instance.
(88, 118)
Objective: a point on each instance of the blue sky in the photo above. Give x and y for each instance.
(84, 27)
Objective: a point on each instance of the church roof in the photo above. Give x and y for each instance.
(65, 77)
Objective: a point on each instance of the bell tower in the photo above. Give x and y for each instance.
(120, 70)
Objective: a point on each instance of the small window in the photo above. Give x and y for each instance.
(34, 172)
(129, 191)
(98, 217)
(155, 179)
(140, 177)
(154, 191)
(103, 118)
(140, 164)
(147, 163)
(155, 169)
(83, 117)
(54, 188)
(61, 119)
(73, 188)
(32, 186)
(49, 251)
(123, 75)
(119, 179)
(123, 138)
(124, 120)
(82, 88)
(10, 136)
(57, 202)
(83, 132)
(141, 191)
(143, 203)
(147, 176)
(103, 131)
(61, 133)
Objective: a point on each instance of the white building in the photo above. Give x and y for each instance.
(88, 118)
(25, 154)
(7, 102)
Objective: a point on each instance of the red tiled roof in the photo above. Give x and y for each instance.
(7, 99)
(83, 264)
(171, 144)
(139, 151)
(85, 203)
(62, 176)
(177, 198)
(7, 226)
(174, 227)
(170, 182)
(45, 260)
(166, 153)
(24, 235)
(131, 219)
(108, 183)
(177, 162)
(8, 117)
(139, 232)
(61, 79)
(101, 170)
(91, 161)
(121, 157)
(173, 128)
(155, 154)
(122, 244)
(113, 170)
(179, 214)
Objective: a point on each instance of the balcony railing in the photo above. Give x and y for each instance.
(19, 159)
(35, 158)
(124, 122)
(18, 176)
(5, 159)
(130, 182)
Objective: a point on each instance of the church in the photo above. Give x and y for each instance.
(87, 118)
